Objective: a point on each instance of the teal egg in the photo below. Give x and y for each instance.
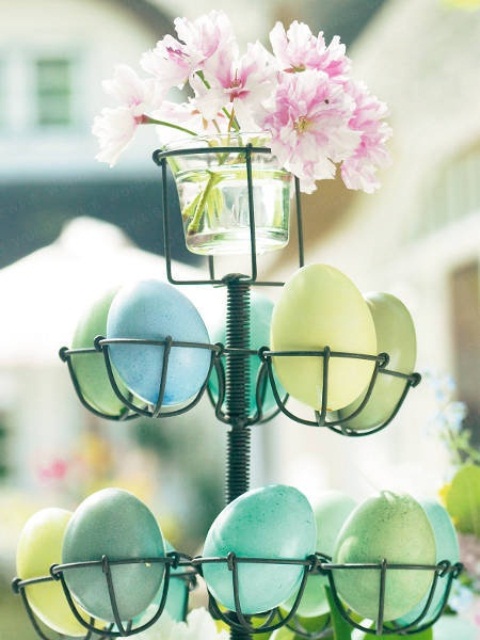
(90, 368)
(331, 511)
(446, 542)
(261, 309)
(115, 523)
(395, 336)
(274, 522)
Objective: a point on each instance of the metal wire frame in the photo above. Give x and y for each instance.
(265, 622)
(160, 158)
(118, 627)
(339, 425)
(133, 405)
(265, 376)
(422, 622)
(237, 620)
(261, 384)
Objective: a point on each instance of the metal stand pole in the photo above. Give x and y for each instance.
(237, 395)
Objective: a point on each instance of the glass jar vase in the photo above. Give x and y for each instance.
(234, 196)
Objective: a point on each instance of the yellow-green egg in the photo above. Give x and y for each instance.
(331, 511)
(321, 307)
(90, 368)
(113, 523)
(395, 336)
(392, 527)
(39, 547)
(273, 522)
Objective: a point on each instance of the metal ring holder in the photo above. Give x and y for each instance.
(232, 407)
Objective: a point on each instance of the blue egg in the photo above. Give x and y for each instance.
(447, 547)
(261, 309)
(273, 522)
(154, 310)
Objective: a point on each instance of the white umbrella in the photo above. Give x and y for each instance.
(44, 294)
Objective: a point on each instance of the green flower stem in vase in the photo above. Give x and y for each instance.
(213, 190)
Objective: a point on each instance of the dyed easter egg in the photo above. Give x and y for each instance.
(90, 368)
(446, 543)
(331, 511)
(154, 310)
(392, 527)
(261, 309)
(39, 547)
(395, 336)
(275, 522)
(320, 307)
(115, 523)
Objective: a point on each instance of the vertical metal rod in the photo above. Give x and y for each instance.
(237, 376)
(237, 397)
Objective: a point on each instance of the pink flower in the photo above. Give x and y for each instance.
(308, 121)
(359, 171)
(239, 86)
(298, 49)
(199, 43)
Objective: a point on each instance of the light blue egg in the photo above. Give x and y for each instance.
(115, 523)
(261, 309)
(446, 543)
(153, 310)
(274, 522)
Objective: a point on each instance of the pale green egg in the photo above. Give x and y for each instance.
(331, 511)
(90, 368)
(272, 522)
(115, 523)
(392, 527)
(321, 307)
(395, 336)
(39, 547)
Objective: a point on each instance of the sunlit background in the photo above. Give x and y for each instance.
(69, 227)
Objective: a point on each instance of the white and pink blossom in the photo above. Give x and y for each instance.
(320, 120)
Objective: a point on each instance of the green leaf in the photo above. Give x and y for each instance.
(463, 499)
(341, 629)
(423, 635)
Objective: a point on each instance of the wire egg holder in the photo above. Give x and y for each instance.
(230, 364)
(177, 568)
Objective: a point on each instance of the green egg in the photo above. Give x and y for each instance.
(392, 527)
(395, 336)
(273, 522)
(90, 368)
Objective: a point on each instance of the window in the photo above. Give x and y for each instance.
(453, 193)
(53, 88)
(465, 314)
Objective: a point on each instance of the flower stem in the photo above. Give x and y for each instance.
(199, 206)
(163, 123)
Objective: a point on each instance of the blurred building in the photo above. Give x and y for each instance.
(418, 237)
